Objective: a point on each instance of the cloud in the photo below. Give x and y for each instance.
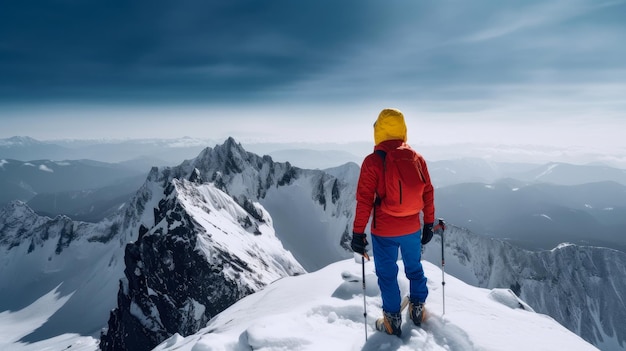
(183, 49)
(455, 62)
(526, 17)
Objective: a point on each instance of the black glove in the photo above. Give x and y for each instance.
(359, 242)
(427, 233)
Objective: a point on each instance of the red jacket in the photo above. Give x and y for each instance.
(371, 183)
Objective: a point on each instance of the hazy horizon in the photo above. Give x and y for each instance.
(308, 154)
(527, 78)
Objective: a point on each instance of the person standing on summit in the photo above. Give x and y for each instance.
(394, 188)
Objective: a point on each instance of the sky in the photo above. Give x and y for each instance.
(516, 72)
(324, 310)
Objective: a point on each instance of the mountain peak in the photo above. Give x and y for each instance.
(227, 158)
(232, 146)
(19, 140)
(15, 209)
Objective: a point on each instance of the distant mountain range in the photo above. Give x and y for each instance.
(82, 189)
(89, 205)
(142, 154)
(197, 237)
(160, 151)
(539, 216)
(476, 170)
(535, 206)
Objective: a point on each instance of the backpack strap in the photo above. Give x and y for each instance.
(381, 153)
(378, 199)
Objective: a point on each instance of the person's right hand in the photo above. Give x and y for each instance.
(359, 243)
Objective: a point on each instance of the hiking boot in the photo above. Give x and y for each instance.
(390, 323)
(416, 313)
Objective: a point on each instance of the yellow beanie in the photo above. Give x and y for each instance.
(389, 126)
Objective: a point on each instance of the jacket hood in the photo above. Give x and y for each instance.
(389, 126)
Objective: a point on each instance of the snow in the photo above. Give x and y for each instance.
(220, 217)
(198, 309)
(17, 324)
(324, 311)
(562, 246)
(549, 170)
(544, 216)
(45, 169)
(151, 321)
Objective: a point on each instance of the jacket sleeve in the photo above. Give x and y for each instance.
(365, 194)
(428, 196)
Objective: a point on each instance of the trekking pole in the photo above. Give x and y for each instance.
(441, 227)
(364, 304)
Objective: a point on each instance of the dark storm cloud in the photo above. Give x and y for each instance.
(157, 48)
(230, 50)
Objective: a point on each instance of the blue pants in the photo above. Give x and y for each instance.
(385, 257)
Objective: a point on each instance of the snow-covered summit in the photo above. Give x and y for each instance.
(324, 311)
(312, 209)
(19, 141)
(198, 251)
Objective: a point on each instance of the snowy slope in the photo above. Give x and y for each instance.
(80, 262)
(581, 287)
(40, 257)
(322, 311)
